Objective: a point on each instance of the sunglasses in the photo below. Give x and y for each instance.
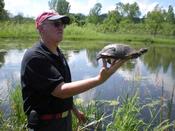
(56, 23)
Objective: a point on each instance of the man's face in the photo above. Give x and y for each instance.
(53, 30)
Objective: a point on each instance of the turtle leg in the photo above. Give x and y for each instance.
(104, 63)
(108, 60)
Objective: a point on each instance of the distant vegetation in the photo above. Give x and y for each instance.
(124, 23)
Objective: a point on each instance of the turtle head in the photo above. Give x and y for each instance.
(143, 50)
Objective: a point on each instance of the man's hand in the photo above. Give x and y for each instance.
(80, 115)
(106, 72)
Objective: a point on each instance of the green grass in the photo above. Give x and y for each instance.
(16, 120)
(126, 115)
(16, 30)
(75, 33)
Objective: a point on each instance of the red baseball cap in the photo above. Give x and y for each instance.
(52, 16)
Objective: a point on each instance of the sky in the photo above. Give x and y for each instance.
(32, 8)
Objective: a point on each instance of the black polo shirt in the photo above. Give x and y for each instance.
(41, 72)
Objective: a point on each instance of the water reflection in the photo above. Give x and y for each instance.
(2, 54)
(151, 72)
(161, 59)
(9, 71)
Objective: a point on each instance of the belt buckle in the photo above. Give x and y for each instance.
(64, 114)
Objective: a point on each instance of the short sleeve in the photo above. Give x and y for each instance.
(42, 76)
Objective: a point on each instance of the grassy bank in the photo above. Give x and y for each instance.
(126, 115)
(86, 33)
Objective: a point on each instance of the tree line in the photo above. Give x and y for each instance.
(124, 18)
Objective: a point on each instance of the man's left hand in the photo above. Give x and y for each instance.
(80, 116)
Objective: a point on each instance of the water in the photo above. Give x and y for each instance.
(149, 73)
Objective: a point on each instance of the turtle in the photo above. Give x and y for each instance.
(114, 52)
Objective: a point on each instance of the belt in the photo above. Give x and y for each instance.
(54, 116)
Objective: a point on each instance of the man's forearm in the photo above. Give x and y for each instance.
(66, 90)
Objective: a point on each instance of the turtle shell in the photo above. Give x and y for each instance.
(119, 51)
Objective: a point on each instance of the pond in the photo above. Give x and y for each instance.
(151, 73)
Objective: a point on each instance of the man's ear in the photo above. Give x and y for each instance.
(40, 28)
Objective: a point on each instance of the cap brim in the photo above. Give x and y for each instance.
(64, 18)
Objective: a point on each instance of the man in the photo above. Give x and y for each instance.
(46, 80)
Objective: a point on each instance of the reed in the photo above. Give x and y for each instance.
(16, 120)
(126, 114)
(18, 117)
(126, 117)
(170, 104)
(162, 102)
(94, 114)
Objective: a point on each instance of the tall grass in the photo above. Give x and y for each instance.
(16, 120)
(89, 32)
(95, 113)
(170, 104)
(17, 114)
(17, 30)
(126, 115)
(27, 30)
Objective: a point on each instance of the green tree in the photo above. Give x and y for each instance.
(60, 6)
(130, 11)
(3, 12)
(19, 18)
(120, 8)
(154, 20)
(94, 14)
(111, 22)
(79, 18)
(134, 11)
(2, 4)
(170, 18)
